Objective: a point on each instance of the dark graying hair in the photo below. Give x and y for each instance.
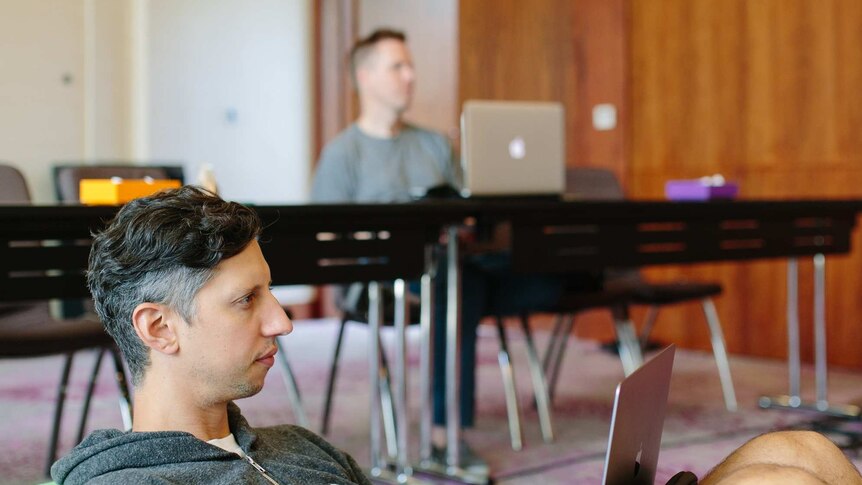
(162, 249)
(363, 47)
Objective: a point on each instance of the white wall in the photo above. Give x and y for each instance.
(229, 85)
(41, 87)
(156, 79)
(107, 115)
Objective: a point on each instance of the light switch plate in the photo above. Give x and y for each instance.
(604, 117)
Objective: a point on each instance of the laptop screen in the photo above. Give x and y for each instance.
(513, 148)
(637, 422)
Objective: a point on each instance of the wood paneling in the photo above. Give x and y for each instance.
(766, 93)
(571, 51)
(333, 94)
(740, 86)
(556, 50)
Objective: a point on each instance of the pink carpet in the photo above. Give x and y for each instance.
(698, 431)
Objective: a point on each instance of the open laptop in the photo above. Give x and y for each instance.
(511, 148)
(637, 422)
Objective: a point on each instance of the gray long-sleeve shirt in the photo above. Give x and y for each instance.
(356, 167)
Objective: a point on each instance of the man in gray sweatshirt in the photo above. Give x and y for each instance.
(179, 281)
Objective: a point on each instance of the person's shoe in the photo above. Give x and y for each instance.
(467, 459)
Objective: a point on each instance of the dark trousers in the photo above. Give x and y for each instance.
(488, 287)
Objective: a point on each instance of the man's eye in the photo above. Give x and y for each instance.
(247, 299)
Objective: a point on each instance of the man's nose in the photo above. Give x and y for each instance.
(409, 74)
(278, 323)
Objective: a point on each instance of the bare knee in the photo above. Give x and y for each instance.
(802, 449)
(789, 452)
(768, 474)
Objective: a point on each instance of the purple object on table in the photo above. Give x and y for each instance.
(698, 190)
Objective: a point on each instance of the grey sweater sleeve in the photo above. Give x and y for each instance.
(454, 172)
(334, 178)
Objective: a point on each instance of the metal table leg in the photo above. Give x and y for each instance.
(794, 400)
(375, 312)
(453, 350)
(452, 468)
(380, 471)
(402, 315)
(426, 354)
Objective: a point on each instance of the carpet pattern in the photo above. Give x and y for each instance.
(698, 431)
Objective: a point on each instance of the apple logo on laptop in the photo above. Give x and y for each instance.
(638, 460)
(517, 148)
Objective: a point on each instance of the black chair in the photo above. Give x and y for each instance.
(41, 260)
(352, 302)
(68, 175)
(624, 287)
(573, 302)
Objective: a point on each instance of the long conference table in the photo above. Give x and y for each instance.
(376, 243)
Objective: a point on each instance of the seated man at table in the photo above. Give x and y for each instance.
(179, 281)
(383, 158)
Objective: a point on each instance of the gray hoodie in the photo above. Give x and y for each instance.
(280, 454)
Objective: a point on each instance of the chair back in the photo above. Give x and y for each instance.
(67, 177)
(13, 187)
(590, 183)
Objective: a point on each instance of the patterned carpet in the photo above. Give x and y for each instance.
(698, 431)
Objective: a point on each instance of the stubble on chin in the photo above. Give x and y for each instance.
(231, 389)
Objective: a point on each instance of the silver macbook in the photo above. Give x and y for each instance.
(513, 148)
(637, 422)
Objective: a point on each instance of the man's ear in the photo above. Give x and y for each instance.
(363, 70)
(359, 77)
(155, 325)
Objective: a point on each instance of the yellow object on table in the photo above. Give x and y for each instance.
(116, 190)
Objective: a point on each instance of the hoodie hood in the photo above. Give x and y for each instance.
(109, 450)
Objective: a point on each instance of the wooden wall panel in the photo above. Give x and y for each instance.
(762, 91)
(766, 93)
(572, 51)
(555, 50)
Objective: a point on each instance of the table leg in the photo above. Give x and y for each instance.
(453, 349)
(375, 312)
(402, 316)
(452, 469)
(380, 471)
(426, 354)
(794, 400)
(820, 374)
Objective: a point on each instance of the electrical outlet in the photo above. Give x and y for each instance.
(604, 117)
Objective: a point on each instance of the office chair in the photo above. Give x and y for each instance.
(352, 302)
(29, 264)
(353, 307)
(68, 175)
(627, 287)
(543, 382)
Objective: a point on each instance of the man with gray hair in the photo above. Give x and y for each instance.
(180, 283)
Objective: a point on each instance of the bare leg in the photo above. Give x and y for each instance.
(785, 457)
(762, 474)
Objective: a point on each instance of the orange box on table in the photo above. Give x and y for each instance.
(116, 191)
